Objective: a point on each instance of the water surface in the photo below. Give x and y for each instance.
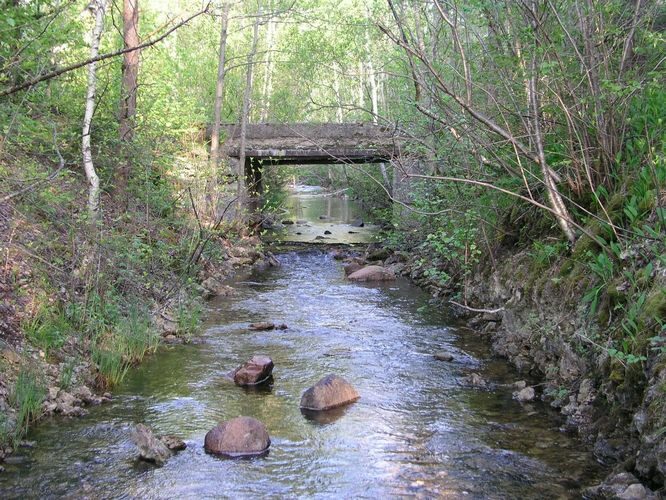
(419, 428)
(316, 216)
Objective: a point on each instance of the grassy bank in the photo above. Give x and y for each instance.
(82, 304)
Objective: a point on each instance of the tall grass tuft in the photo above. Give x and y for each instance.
(26, 396)
(126, 343)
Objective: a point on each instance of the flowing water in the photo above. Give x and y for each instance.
(419, 429)
(314, 216)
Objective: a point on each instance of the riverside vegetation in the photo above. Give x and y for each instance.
(539, 204)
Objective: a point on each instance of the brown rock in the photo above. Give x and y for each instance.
(352, 267)
(53, 392)
(262, 325)
(254, 371)
(338, 254)
(11, 356)
(174, 443)
(476, 380)
(330, 392)
(151, 449)
(214, 287)
(85, 394)
(372, 273)
(524, 395)
(240, 436)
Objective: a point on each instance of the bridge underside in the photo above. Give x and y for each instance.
(313, 156)
(311, 144)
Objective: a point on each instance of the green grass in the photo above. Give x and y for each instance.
(188, 318)
(48, 329)
(127, 343)
(26, 396)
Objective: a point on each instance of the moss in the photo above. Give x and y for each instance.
(567, 267)
(643, 278)
(615, 294)
(652, 314)
(615, 205)
(617, 372)
(655, 304)
(584, 245)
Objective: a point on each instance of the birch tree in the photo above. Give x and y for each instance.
(96, 9)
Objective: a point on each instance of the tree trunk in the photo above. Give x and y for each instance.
(554, 197)
(271, 39)
(97, 8)
(219, 91)
(129, 87)
(372, 78)
(245, 115)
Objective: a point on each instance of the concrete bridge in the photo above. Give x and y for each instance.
(312, 143)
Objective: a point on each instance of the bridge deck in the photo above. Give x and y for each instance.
(300, 143)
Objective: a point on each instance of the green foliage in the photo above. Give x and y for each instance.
(67, 374)
(26, 396)
(188, 318)
(47, 329)
(110, 363)
(603, 268)
(126, 343)
(546, 254)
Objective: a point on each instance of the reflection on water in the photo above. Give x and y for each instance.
(319, 217)
(418, 428)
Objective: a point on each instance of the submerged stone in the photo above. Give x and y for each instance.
(262, 325)
(330, 392)
(238, 437)
(443, 356)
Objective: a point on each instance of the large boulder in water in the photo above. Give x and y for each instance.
(238, 437)
(255, 371)
(372, 273)
(330, 392)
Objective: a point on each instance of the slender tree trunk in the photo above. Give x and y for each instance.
(245, 115)
(338, 113)
(97, 8)
(554, 197)
(361, 97)
(628, 49)
(372, 78)
(336, 90)
(271, 40)
(219, 90)
(128, 89)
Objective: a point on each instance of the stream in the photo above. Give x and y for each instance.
(419, 429)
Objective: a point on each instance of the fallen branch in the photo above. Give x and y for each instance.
(473, 309)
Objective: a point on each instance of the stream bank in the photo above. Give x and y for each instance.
(535, 316)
